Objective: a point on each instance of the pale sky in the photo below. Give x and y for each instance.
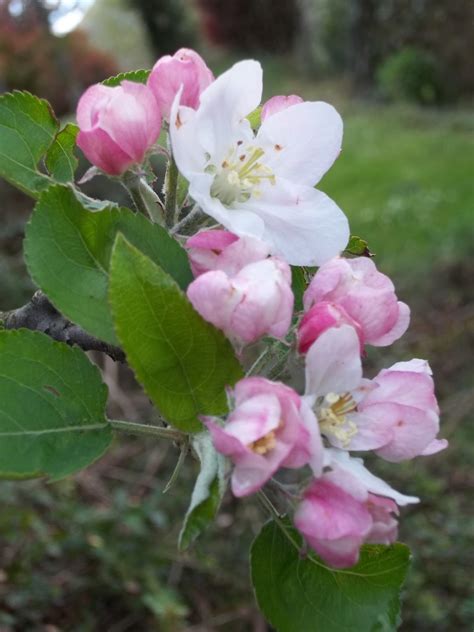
(68, 17)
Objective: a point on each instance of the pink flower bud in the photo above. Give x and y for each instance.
(402, 400)
(117, 125)
(256, 301)
(334, 523)
(269, 428)
(278, 103)
(384, 524)
(339, 512)
(185, 68)
(366, 295)
(318, 319)
(222, 250)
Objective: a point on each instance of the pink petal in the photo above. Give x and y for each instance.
(278, 103)
(398, 329)
(333, 522)
(254, 418)
(333, 362)
(435, 446)
(103, 152)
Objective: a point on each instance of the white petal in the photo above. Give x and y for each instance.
(302, 142)
(302, 225)
(219, 121)
(189, 155)
(333, 362)
(375, 485)
(225, 104)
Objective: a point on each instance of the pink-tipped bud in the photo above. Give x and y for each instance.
(321, 317)
(185, 68)
(256, 301)
(366, 295)
(334, 523)
(278, 103)
(222, 250)
(117, 125)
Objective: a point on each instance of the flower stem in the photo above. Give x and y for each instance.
(131, 427)
(190, 217)
(170, 190)
(258, 362)
(267, 503)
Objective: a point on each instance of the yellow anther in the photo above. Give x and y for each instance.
(265, 444)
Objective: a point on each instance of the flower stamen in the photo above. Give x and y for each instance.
(240, 175)
(332, 415)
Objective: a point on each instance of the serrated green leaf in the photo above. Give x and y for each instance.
(183, 362)
(139, 76)
(208, 492)
(60, 160)
(303, 594)
(27, 128)
(358, 247)
(52, 407)
(68, 248)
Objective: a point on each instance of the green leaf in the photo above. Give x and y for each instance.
(139, 76)
(301, 278)
(208, 491)
(358, 247)
(68, 249)
(60, 159)
(52, 407)
(255, 118)
(183, 362)
(303, 594)
(27, 129)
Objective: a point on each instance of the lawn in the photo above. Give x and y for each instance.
(98, 551)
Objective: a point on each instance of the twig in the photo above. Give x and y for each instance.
(40, 315)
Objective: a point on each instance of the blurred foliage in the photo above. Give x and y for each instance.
(110, 21)
(169, 24)
(57, 69)
(410, 75)
(356, 36)
(251, 25)
(444, 29)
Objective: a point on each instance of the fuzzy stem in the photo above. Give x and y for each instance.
(267, 503)
(131, 427)
(170, 189)
(190, 217)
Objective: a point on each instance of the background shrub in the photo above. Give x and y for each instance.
(410, 75)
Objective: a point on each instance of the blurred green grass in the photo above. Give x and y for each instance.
(99, 550)
(405, 180)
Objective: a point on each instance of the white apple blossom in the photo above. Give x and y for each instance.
(262, 185)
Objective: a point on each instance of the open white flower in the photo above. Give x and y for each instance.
(262, 185)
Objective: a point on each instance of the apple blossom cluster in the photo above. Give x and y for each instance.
(255, 184)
